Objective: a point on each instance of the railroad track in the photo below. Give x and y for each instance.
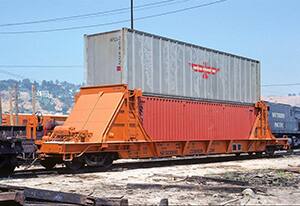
(137, 164)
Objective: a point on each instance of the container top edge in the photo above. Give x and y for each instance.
(101, 33)
(217, 101)
(174, 40)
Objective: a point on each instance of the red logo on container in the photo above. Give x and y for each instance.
(119, 68)
(205, 69)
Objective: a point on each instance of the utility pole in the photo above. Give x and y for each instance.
(17, 103)
(131, 14)
(11, 118)
(0, 111)
(33, 99)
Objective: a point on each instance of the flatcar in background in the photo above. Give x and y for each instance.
(20, 137)
(284, 121)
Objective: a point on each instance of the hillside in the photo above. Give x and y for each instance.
(51, 97)
(292, 100)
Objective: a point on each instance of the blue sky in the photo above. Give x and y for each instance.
(267, 30)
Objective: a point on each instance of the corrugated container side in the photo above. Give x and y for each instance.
(166, 119)
(159, 65)
(103, 60)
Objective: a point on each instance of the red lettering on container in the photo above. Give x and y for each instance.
(205, 69)
(119, 68)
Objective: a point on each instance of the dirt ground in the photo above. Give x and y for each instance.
(273, 181)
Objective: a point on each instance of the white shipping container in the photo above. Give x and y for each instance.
(163, 66)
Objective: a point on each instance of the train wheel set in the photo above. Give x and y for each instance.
(7, 165)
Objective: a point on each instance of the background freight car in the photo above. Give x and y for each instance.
(19, 138)
(159, 65)
(284, 119)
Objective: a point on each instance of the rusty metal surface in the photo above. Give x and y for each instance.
(160, 65)
(12, 195)
(9, 198)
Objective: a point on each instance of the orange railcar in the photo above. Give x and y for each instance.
(20, 136)
(37, 125)
(105, 124)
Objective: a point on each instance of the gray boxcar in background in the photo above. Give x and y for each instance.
(284, 120)
(163, 66)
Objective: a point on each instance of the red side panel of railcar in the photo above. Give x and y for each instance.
(166, 119)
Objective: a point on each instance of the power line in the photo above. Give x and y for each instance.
(17, 76)
(115, 22)
(12, 74)
(95, 14)
(281, 85)
(41, 66)
(66, 29)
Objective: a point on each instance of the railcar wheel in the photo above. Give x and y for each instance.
(259, 154)
(7, 166)
(75, 164)
(270, 151)
(48, 163)
(108, 162)
(104, 160)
